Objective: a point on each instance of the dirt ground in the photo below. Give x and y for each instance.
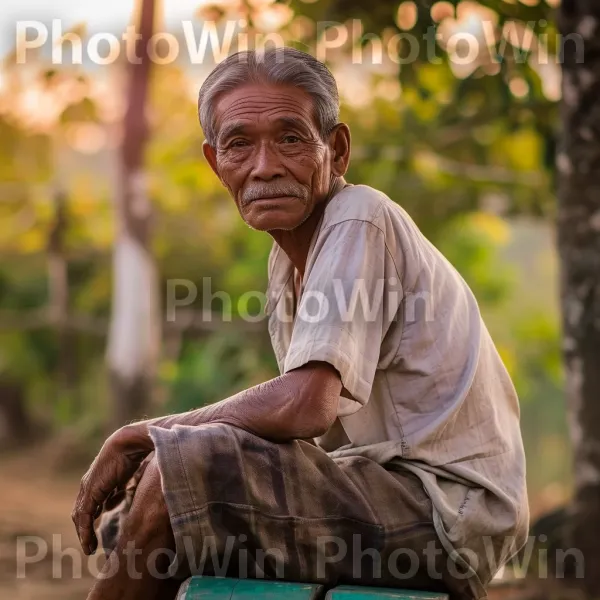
(35, 501)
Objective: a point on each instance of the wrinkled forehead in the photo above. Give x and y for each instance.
(264, 105)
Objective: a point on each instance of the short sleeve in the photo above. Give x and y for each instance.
(350, 297)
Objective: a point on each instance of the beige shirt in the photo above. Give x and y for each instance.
(428, 389)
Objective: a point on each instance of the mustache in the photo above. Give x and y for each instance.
(259, 191)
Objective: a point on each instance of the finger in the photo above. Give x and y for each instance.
(84, 528)
(78, 516)
(89, 540)
(87, 507)
(87, 518)
(84, 525)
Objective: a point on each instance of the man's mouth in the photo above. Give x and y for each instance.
(269, 198)
(265, 194)
(275, 197)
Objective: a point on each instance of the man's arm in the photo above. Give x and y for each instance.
(299, 404)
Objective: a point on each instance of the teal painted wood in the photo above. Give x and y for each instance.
(352, 592)
(217, 588)
(220, 588)
(210, 588)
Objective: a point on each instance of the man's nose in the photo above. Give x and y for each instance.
(267, 164)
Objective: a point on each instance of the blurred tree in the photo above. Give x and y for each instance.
(578, 165)
(15, 424)
(134, 335)
(59, 292)
(475, 99)
(462, 150)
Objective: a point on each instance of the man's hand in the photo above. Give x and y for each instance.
(117, 461)
(298, 405)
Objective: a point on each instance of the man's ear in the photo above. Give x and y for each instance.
(211, 156)
(339, 140)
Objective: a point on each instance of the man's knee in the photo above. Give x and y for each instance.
(148, 516)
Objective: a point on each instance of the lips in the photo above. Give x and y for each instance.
(254, 199)
(275, 197)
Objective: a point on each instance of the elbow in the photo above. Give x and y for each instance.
(318, 430)
(323, 419)
(312, 396)
(314, 416)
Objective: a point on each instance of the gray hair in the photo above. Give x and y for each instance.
(277, 66)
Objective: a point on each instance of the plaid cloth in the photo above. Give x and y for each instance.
(241, 506)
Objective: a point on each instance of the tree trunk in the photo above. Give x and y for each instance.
(58, 305)
(134, 333)
(15, 426)
(578, 165)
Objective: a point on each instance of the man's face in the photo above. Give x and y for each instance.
(269, 155)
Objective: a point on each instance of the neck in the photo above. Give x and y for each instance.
(296, 242)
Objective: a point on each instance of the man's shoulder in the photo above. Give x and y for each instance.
(356, 203)
(374, 208)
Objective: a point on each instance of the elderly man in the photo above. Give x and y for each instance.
(388, 451)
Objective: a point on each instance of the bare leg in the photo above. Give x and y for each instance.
(140, 553)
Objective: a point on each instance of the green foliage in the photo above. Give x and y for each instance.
(462, 153)
(470, 242)
(224, 364)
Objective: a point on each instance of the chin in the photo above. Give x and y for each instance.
(274, 224)
(275, 216)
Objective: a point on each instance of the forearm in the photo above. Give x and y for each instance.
(296, 405)
(265, 409)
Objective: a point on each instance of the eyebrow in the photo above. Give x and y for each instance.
(238, 127)
(231, 129)
(293, 123)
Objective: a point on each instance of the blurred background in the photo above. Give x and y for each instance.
(107, 203)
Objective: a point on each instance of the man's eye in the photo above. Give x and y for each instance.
(291, 139)
(238, 144)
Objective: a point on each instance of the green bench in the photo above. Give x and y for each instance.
(214, 588)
